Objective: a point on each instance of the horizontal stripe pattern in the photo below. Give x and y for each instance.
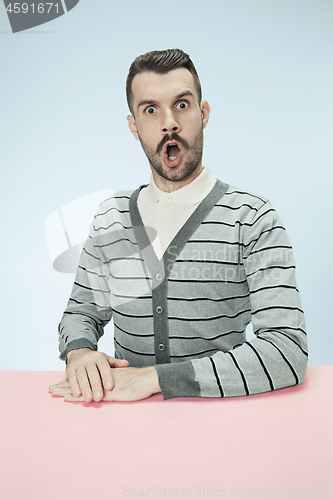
(237, 266)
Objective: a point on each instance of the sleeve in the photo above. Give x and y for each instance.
(277, 357)
(88, 309)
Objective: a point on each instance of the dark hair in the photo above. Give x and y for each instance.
(160, 61)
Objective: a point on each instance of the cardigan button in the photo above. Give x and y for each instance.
(159, 277)
(159, 309)
(161, 347)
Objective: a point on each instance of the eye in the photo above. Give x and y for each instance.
(182, 105)
(150, 110)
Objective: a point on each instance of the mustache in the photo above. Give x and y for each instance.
(173, 137)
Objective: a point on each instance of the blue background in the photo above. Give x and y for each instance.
(266, 70)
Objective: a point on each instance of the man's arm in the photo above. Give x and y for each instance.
(88, 311)
(277, 357)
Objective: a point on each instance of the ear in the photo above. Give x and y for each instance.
(132, 126)
(205, 111)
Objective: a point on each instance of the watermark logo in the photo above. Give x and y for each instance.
(117, 261)
(112, 258)
(26, 15)
(67, 230)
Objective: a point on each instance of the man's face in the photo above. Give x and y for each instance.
(169, 122)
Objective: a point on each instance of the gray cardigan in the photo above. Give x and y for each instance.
(231, 263)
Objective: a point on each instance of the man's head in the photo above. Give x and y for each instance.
(161, 62)
(168, 117)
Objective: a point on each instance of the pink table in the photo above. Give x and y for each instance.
(260, 446)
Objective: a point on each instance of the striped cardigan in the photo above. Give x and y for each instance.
(231, 263)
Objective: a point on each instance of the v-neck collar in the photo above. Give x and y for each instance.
(162, 268)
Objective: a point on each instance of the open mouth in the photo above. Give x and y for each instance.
(172, 154)
(172, 151)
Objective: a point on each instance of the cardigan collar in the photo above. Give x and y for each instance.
(183, 235)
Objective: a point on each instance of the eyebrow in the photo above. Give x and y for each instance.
(143, 103)
(185, 93)
(151, 102)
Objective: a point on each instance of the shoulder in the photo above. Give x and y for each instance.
(255, 215)
(237, 197)
(119, 199)
(113, 210)
(238, 206)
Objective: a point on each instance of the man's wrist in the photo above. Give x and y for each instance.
(153, 380)
(72, 351)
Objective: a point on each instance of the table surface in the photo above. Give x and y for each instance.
(276, 445)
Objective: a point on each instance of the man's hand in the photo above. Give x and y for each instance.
(130, 384)
(86, 371)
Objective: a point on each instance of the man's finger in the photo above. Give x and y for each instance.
(106, 374)
(63, 383)
(83, 381)
(61, 391)
(95, 382)
(72, 379)
(70, 397)
(117, 363)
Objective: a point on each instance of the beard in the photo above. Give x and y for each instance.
(193, 156)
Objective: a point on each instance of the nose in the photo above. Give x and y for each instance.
(170, 123)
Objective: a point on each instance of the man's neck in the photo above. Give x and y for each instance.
(168, 186)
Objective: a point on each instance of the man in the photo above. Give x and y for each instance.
(182, 265)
